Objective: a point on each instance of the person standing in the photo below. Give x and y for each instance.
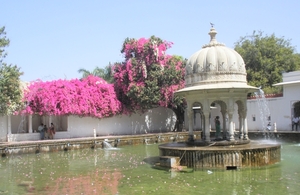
(295, 123)
(41, 131)
(218, 127)
(269, 126)
(51, 131)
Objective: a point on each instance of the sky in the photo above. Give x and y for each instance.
(51, 40)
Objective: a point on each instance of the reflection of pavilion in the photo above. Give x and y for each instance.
(216, 76)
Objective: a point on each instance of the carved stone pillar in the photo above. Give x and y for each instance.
(241, 125)
(190, 114)
(206, 126)
(202, 126)
(223, 112)
(231, 130)
(245, 126)
(230, 119)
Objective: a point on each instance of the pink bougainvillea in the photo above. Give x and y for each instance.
(148, 77)
(91, 96)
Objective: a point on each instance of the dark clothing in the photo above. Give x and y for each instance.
(295, 123)
(45, 133)
(42, 134)
(218, 127)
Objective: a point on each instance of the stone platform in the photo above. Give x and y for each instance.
(225, 156)
(21, 147)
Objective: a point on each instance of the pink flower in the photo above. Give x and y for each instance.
(91, 96)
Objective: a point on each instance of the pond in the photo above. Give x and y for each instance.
(127, 171)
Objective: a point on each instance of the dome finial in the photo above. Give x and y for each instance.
(213, 40)
(212, 34)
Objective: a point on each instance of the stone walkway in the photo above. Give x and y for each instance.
(118, 140)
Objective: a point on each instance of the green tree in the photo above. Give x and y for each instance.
(105, 73)
(266, 57)
(10, 89)
(4, 42)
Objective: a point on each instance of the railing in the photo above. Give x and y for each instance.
(267, 96)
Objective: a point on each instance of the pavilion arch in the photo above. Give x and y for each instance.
(239, 109)
(203, 107)
(217, 108)
(222, 108)
(198, 116)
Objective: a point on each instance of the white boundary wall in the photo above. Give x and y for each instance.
(154, 121)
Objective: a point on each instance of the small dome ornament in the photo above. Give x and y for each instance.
(213, 40)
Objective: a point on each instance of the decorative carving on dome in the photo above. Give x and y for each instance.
(211, 77)
(199, 68)
(214, 77)
(233, 67)
(222, 67)
(213, 44)
(189, 68)
(208, 67)
(202, 69)
(240, 67)
(211, 67)
(233, 76)
(223, 77)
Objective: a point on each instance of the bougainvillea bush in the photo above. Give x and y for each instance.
(91, 96)
(148, 77)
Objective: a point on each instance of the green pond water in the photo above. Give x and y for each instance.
(127, 171)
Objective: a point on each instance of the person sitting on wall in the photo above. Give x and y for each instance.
(295, 122)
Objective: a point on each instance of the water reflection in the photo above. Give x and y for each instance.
(125, 171)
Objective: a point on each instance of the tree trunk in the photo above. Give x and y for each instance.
(179, 112)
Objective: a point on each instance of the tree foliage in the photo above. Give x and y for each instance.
(10, 89)
(105, 73)
(4, 42)
(266, 57)
(149, 77)
(90, 96)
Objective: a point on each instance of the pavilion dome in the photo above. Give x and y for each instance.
(214, 64)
